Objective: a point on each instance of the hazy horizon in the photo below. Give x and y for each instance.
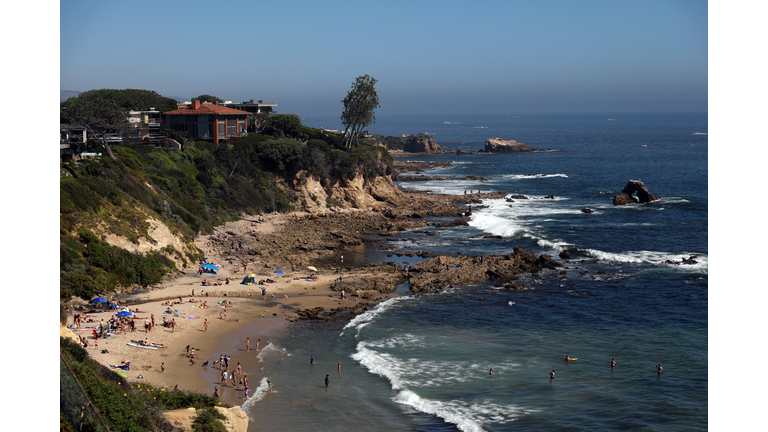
(428, 57)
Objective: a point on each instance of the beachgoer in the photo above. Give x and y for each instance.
(206, 324)
(247, 344)
(176, 387)
(311, 359)
(552, 374)
(162, 367)
(659, 368)
(491, 373)
(339, 366)
(215, 392)
(567, 358)
(613, 362)
(269, 386)
(257, 344)
(326, 381)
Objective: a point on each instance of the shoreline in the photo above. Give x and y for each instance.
(260, 247)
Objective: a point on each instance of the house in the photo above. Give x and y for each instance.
(255, 108)
(209, 122)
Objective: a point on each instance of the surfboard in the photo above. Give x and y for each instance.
(141, 346)
(571, 359)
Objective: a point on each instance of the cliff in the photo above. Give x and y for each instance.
(358, 193)
(236, 419)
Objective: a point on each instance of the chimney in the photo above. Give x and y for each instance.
(195, 104)
(215, 102)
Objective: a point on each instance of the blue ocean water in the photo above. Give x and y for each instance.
(422, 363)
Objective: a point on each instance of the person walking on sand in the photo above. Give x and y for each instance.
(162, 367)
(326, 381)
(206, 324)
(257, 344)
(339, 366)
(216, 392)
(248, 344)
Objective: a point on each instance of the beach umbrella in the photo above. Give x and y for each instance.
(124, 314)
(99, 300)
(312, 268)
(277, 271)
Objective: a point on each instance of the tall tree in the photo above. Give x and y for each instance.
(99, 116)
(358, 109)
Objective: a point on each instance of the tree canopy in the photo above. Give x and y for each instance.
(132, 99)
(100, 116)
(358, 109)
(208, 98)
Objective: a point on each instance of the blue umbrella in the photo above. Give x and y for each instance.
(124, 314)
(210, 267)
(99, 300)
(278, 272)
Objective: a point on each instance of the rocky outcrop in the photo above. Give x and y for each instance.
(443, 271)
(634, 186)
(421, 144)
(498, 145)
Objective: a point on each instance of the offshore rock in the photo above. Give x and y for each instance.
(498, 145)
(421, 144)
(643, 195)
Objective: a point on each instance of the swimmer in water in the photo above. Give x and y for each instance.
(613, 362)
(491, 372)
(567, 358)
(552, 374)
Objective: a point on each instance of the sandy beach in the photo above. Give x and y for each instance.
(251, 315)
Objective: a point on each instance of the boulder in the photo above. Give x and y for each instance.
(565, 254)
(421, 144)
(588, 210)
(498, 145)
(643, 195)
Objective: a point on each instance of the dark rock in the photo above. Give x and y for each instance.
(587, 210)
(421, 144)
(634, 186)
(518, 196)
(565, 254)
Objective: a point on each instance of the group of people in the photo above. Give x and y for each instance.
(217, 283)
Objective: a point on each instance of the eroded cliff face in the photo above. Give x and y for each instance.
(357, 193)
(236, 420)
(163, 239)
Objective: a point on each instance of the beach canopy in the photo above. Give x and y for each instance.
(277, 271)
(99, 300)
(313, 268)
(249, 280)
(210, 268)
(124, 314)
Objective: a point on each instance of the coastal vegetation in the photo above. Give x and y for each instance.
(359, 106)
(123, 406)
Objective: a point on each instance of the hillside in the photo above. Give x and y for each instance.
(128, 223)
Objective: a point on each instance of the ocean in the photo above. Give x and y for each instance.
(423, 363)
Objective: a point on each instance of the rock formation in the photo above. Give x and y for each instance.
(643, 195)
(421, 144)
(498, 145)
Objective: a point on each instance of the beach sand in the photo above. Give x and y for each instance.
(251, 315)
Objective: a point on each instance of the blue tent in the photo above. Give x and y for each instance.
(210, 268)
(99, 300)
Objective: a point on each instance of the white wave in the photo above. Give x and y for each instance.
(700, 133)
(651, 257)
(467, 416)
(480, 127)
(532, 176)
(363, 319)
(270, 350)
(258, 394)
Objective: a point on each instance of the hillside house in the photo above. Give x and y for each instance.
(208, 122)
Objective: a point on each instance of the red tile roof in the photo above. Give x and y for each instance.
(207, 109)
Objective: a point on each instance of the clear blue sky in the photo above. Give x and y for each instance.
(429, 57)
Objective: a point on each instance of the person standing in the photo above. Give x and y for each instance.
(339, 366)
(326, 381)
(257, 344)
(311, 359)
(269, 386)
(162, 367)
(248, 344)
(552, 374)
(173, 325)
(491, 373)
(613, 363)
(206, 324)
(659, 369)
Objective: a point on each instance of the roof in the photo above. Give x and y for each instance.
(207, 109)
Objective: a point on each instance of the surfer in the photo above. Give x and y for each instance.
(567, 358)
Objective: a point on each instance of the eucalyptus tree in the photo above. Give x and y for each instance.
(358, 109)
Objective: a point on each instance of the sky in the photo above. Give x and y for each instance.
(429, 57)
